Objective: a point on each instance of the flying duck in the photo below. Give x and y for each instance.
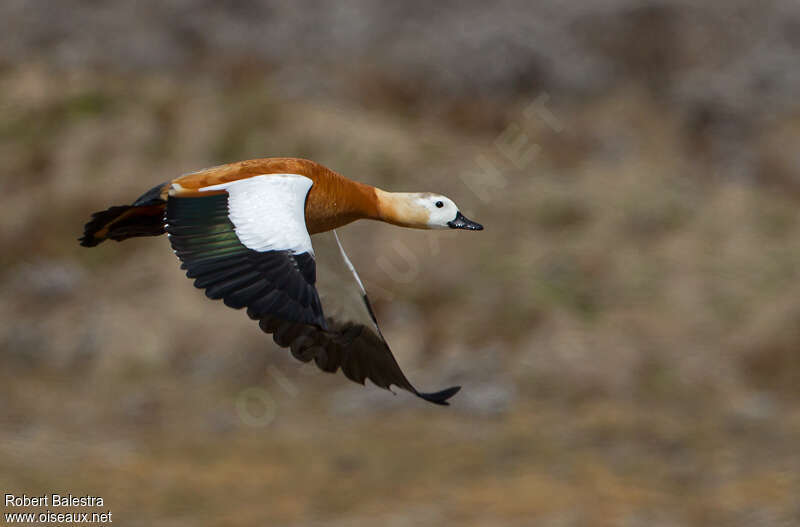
(243, 234)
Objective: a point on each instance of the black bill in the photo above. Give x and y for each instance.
(462, 222)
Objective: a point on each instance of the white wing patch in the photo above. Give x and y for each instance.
(268, 211)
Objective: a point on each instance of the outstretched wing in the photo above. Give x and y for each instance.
(353, 341)
(249, 247)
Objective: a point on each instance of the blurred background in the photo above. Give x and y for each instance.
(626, 329)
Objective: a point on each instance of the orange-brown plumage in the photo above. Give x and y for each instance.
(333, 200)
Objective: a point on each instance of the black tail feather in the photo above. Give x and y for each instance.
(144, 218)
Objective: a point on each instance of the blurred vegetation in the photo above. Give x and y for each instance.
(625, 329)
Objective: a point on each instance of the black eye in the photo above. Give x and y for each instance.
(439, 204)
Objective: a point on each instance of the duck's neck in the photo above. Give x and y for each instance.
(400, 208)
(335, 201)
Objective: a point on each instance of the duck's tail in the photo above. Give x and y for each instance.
(145, 217)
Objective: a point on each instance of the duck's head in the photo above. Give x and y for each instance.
(422, 210)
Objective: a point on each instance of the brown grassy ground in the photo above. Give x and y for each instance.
(625, 329)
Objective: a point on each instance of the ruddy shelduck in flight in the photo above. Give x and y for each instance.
(243, 233)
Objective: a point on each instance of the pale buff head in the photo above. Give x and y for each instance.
(422, 210)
